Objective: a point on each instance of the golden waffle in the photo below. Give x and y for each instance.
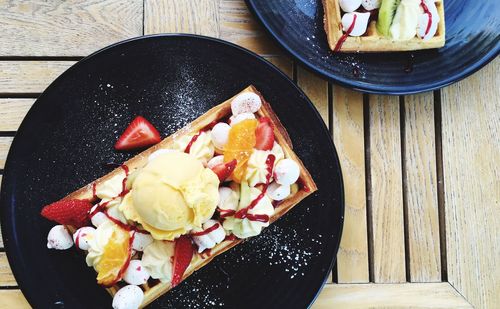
(153, 288)
(371, 41)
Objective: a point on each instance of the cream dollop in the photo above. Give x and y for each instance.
(228, 198)
(257, 168)
(209, 240)
(202, 149)
(244, 228)
(157, 259)
(102, 234)
(82, 236)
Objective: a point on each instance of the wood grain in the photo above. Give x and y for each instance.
(29, 77)
(185, 16)
(1, 237)
(471, 153)
(13, 299)
(6, 276)
(12, 112)
(5, 142)
(316, 89)
(386, 191)
(348, 135)
(237, 25)
(421, 189)
(405, 295)
(66, 28)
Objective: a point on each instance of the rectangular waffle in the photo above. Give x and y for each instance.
(153, 288)
(371, 41)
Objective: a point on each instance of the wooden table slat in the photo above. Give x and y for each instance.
(316, 90)
(471, 167)
(386, 191)
(5, 142)
(6, 276)
(12, 112)
(13, 299)
(66, 28)
(348, 135)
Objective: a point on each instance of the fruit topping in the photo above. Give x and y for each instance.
(240, 145)
(183, 254)
(115, 258)
(139, 133)
(386, 15)
(68, 212)
(264, 134)
(224, 170)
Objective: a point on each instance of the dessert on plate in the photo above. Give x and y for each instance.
(168, 211)
(384, 25)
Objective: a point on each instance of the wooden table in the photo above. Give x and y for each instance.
(421, 172)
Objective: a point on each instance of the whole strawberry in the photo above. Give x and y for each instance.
(68, 212)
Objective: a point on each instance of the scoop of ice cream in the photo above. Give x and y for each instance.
(210, 239)
(59, 238)
(404, 24)
(82, 236)
(128, 297)
(171, 195)
(202, 148)
(157, 259)
(136, 273)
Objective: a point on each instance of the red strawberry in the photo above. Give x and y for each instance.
(68, 212)
(264, 134)
(139, 133)
(183, 253)
(224, 170)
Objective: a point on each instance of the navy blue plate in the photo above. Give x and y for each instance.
(472, 40)
(69, 133)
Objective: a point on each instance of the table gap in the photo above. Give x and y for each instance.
(368, 185)
(440, 183)
(402, 119)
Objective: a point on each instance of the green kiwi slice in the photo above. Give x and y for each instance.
(386, 15)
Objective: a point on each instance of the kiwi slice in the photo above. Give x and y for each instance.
(386, 15)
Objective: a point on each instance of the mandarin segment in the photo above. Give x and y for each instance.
(115, 255)
(240, 144)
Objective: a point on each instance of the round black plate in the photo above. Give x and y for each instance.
(69, 133)
(472, 40)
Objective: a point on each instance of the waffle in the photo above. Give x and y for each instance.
(154, 288)
(371, 41)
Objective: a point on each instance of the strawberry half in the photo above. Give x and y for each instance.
(183, 253)
(264, 134)
(224, 170)
(68, 212)
(139, 133)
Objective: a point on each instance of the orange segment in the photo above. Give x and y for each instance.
(240, 145)
(115, 255)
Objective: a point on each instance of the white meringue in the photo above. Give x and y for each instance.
(278, 192)
(349, 5)
(240, 117)
(220, 134)
(141, 241)
(159, 152)
(286, 172)
(82, 236)
(371, 4)
(215, 161)
(128, 297)
(136, 274)
(209, 240)
(423, 21)
(59, 238)
(247, 102)
(97, 218)
(360, 25)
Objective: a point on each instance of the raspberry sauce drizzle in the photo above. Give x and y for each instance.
(191, 142)
(226, 212)
(94, 191)
(124, 181)
(428, 12)
(207, 231)
(345, 35)
(243, 213)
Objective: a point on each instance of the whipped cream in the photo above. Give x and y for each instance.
(247, 102)
(157, 259)
(96, 245)
(209, 240)
(256, 172)
(228, 198)
(135, 273)
(128, 297)
(141, 241)
(240, 117)
(59, 238)
(349, 5)
(202, 149)
(110, 188)
(220, 134)
(244, 228)
(159, 152)
(286, 172)
(82, 236)
(278, 192)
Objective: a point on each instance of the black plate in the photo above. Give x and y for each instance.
(472, 40)
(69, 133)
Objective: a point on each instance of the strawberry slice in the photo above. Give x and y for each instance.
(224, 170)
(68, 212)
(264, 134)
(183, 253)
(139, 133)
